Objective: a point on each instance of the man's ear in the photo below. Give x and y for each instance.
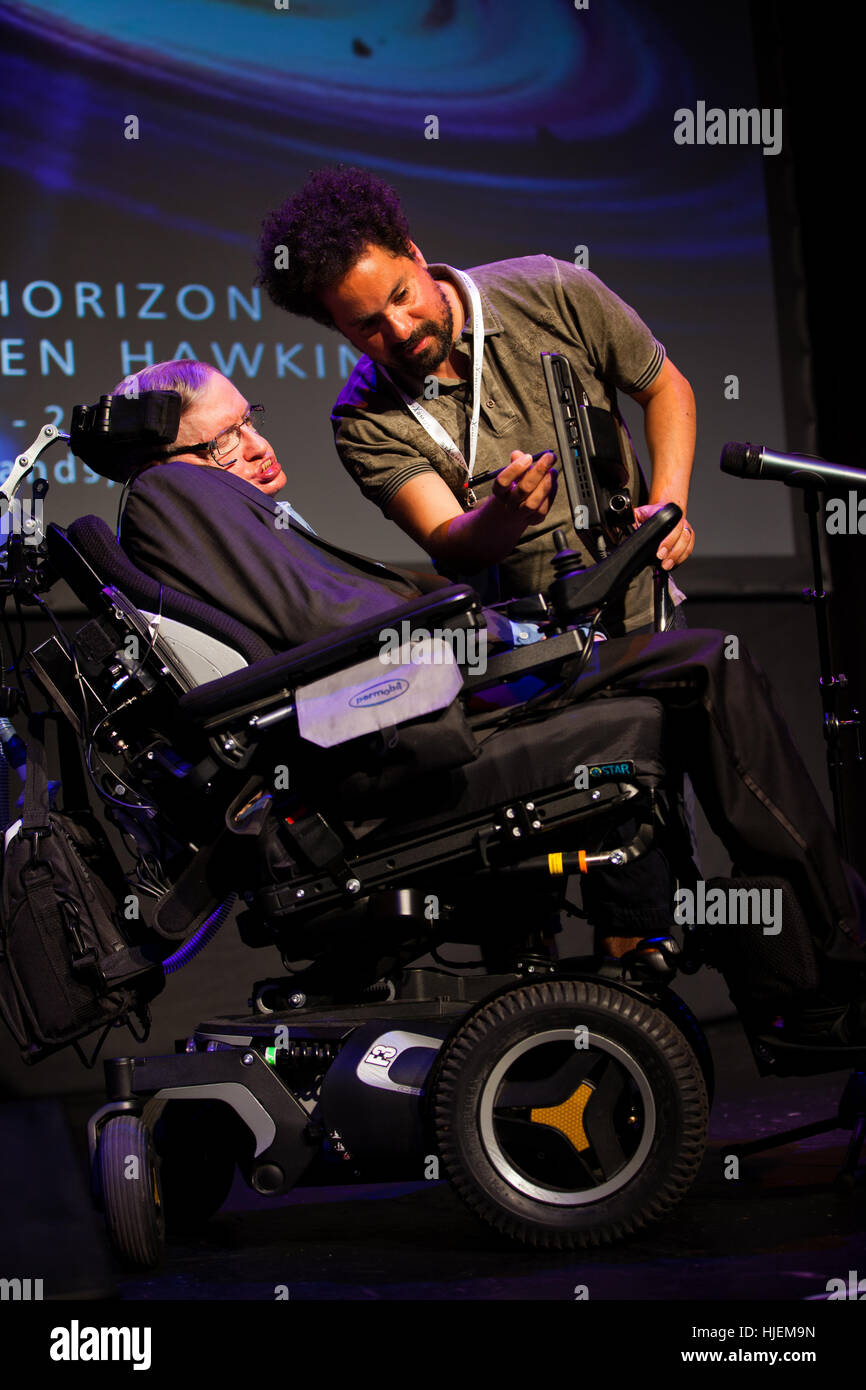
(417, 256)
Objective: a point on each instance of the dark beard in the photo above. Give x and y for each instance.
(420, 365)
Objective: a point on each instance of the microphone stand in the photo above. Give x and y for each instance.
(829, 682)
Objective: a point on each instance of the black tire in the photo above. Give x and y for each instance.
(633, 1160)
(194, 1149)
(130, 1190)
(679, 1013)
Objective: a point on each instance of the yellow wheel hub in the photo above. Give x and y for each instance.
(567, 1117)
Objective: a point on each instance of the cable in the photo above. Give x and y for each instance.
(138, 666)
(197, 943)
(106, 796)
(69, 647)
(155, 634)
(88, 733)
(125, 489)
(84, 716)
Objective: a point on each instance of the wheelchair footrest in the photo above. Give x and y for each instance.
(776, 1057)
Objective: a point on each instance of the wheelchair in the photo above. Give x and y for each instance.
(566, 1101)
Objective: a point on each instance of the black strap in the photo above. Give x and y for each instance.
(72, 778)
(204, 884)
(36, 782)
(76, 796)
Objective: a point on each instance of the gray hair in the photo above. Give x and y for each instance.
(187, 378)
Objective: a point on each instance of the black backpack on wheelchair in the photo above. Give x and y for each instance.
(567, 1101)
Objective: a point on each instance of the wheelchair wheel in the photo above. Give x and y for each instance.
(569, 1114)
(130, 1191)
(679, 1013)
(194, 1150)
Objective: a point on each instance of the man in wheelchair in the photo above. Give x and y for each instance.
(201, 519)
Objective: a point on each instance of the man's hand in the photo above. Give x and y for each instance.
(677, 545)
(427, 510)
(526, 486)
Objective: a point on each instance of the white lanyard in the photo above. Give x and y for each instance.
(437, 432)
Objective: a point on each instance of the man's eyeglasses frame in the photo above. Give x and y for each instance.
(216, 447)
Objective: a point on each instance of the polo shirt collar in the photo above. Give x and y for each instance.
(492, 322)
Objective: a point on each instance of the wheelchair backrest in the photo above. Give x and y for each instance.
(203, 657)
(197, 642)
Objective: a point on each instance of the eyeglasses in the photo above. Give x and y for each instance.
(223, 444)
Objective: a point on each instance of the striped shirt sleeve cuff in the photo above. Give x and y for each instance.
(393, 484)
(654, 366)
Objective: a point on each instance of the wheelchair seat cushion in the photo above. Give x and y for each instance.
(519, 760)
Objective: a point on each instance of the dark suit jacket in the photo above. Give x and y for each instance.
(207, 533)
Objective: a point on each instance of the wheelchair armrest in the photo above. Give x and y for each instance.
(575, 594)
(455, 607)
(578, 593)
(532, 608)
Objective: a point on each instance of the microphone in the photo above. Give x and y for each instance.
(795, 470)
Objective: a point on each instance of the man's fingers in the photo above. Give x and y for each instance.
(532, 495)
(543, 466)
(677, 546)
(513, 470)
(529, 464)
(526, 475)
(526, 485)
(544, 493)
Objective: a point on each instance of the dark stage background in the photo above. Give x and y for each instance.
(556, 131)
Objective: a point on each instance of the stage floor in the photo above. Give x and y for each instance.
(777, 1232)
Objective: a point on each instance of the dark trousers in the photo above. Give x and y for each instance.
(756, 793)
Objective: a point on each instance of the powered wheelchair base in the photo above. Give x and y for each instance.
(556, 1133)
(567, 1105)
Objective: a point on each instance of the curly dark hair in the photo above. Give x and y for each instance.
(324, 229)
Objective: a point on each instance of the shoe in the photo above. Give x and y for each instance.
(654, 958)
(827, 1025)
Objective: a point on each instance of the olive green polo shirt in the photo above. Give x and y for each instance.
(530, 305)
